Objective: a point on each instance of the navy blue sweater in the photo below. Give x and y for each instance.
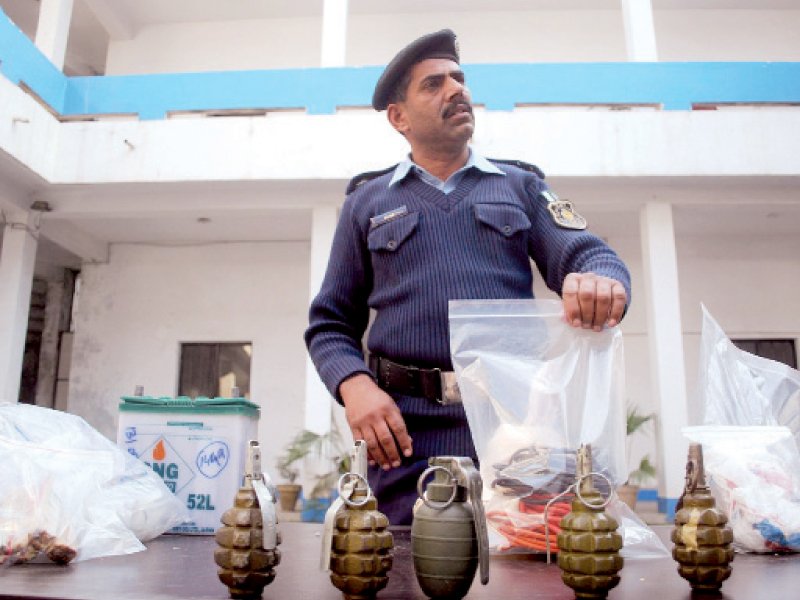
(473, 243)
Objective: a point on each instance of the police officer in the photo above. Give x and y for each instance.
(444, 224)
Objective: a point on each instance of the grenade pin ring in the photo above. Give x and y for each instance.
(588, 504)
(424, 494)
(576, 489)
(344, 480)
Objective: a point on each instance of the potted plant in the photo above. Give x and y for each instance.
(288, 492)
(331, 460)
(645, 470)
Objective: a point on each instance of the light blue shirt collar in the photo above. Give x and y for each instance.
(474, 160)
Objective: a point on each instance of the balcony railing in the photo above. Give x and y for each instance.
(668, 86)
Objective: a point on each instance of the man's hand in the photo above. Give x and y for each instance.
(591, 301)
(374, 417)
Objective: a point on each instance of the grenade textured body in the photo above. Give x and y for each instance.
(245, 566)
(361, 552)
(444, 545)
(701, 535)
(589, 549)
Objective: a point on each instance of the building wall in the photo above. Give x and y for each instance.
(218, 46)
(562, 142)
(748, 35)
(134, 311)
(527, 36)
(137, 308)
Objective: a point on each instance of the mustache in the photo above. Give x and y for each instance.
(452, 107)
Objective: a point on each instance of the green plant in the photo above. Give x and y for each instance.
(327, 446)
(644, 471)
(635, 422)
(287, 471)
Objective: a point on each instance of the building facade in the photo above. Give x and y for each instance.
(170, 178)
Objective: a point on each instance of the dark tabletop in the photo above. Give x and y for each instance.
(176, 567)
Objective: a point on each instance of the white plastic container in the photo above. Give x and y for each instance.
(197, 447)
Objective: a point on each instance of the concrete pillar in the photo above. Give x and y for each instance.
(17, 259)
(56, 317)
(640, 32)
(334, 33)
(318, 400)
(52, 30)
(665, 336)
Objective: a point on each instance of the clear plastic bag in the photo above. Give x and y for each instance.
(68, 493)
(534, 390)
(750, 441)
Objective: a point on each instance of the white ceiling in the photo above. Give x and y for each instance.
(280, 210)
(732, 208)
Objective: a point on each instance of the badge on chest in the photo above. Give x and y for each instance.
(396, 213)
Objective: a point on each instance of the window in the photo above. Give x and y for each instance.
(214, 369)
(781, 350)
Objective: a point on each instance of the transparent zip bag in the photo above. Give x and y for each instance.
(69, 494)
(535, 389)
(750, 441)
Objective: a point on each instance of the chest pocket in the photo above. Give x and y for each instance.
(390, 236)
(506, 219)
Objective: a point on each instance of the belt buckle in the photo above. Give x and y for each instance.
(448, 385)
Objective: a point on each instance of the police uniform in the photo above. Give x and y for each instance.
(404, 247)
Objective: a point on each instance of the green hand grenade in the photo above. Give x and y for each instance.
(588, 542)
(701, 535)
(357, 546)
(247, 552)
(449, 539)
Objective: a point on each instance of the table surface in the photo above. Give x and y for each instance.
(176, 567)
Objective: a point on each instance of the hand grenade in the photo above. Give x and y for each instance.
(248, 553)
(356, 545)
(449, 539)
(701, 535)
(589, 543)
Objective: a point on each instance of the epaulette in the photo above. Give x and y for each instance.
(520, 165)
(363, 178)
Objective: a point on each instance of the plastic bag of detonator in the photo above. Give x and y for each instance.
(534, 389)
(750, 441)
(68, 493)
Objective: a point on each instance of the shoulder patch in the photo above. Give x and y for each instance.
(562, 211)
(363, 178)
(520, 165)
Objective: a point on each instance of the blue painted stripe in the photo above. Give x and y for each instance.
(668, 506)
(22, 62)
(672, 86)
(647, 495)
(319, 91)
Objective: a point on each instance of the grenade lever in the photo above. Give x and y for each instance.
(349, 483)
(475, 493)
(467, 476)
(265, 492)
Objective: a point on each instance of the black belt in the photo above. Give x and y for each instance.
(433, 384)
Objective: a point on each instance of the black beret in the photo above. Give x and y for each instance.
(441, 44)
